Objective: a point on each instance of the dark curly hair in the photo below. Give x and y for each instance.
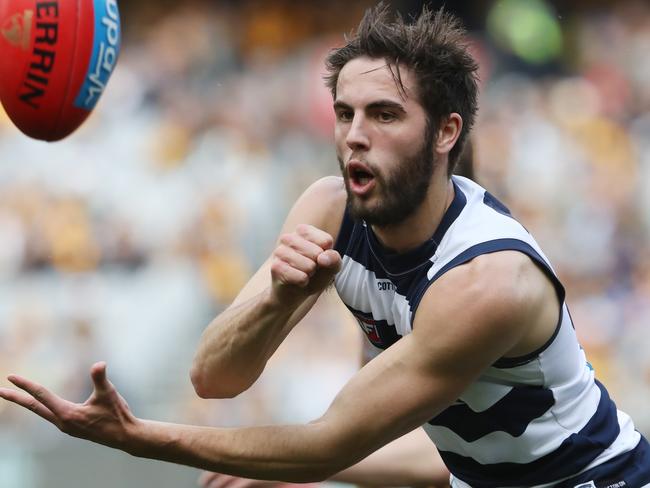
(433, 47)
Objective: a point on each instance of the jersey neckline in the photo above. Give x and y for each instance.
(395, 263)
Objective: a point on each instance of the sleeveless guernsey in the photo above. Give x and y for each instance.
(539, 420)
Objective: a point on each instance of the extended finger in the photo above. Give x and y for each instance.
(53, 402)
(98, 375)
(313, 234)
(29, 402)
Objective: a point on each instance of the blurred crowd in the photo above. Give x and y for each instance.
(123, 241)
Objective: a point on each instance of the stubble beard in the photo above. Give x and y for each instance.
(399, 194)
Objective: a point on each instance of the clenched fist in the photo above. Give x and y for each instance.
(304, 263)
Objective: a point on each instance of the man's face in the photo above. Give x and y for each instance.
(383, 142)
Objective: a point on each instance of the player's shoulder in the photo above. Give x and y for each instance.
(507, 273)
(329, 188)
(322, 205)
(503, 288)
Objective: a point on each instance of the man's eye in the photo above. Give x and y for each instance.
(344, 116)
(386, 116)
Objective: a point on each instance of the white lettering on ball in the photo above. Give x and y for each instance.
(107, 53)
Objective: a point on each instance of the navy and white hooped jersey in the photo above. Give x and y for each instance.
(534, 421)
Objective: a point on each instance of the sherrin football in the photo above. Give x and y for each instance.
(56, 57)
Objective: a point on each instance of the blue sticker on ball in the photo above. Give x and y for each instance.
(106, 48)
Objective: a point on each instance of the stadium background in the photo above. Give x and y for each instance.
(123, 241)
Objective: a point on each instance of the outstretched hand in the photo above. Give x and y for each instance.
(104, 418)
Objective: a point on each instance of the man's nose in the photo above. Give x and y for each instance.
(357, 136)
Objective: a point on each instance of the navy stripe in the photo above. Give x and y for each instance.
(345, 233)
(359, 251)
(510, 414)
(576, 452)
(492, 202)
(452, 213)
(487, 248)
(495, 204)
(632, 467)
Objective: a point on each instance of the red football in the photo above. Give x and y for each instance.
(55, 59)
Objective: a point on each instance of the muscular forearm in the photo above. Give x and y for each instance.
(237, 344)
(283, 453)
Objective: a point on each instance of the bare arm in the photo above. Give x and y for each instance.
(408, 384)
(411, 460)
(236, 346)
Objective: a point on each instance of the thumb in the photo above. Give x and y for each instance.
(330, 260)
(98, 375)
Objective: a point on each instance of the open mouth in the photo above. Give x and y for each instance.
(359, 173)
(361, 177)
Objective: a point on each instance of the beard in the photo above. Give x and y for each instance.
(398, 194)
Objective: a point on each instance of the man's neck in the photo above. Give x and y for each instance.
(420, 226)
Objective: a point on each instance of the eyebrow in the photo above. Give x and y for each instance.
(379, 104)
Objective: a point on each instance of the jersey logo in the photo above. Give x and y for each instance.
(386, 285)
(379, 332)
(369, 327)
(619, 484)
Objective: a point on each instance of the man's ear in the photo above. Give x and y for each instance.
(448, 133)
